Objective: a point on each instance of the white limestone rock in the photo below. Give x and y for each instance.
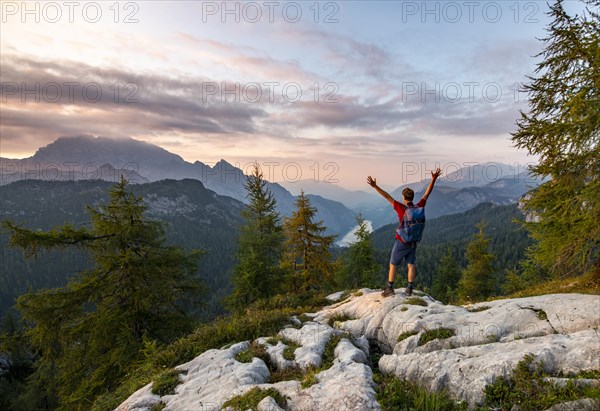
(465, 371)
(561, 331)
(312, 338)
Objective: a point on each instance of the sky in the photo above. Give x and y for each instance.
(330, 91)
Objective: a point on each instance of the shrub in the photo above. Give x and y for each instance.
(254, 350)
(166, 382)
(529, 389)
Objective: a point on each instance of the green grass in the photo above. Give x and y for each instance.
(251, 399)
(329, 352)
(254, 350)
(528, 389)
(478, 309)
(288, 374)
(304, 318)
(437, 334)
(584, 284)
(541, 314)
(416, 301)
(288, 352)
(263, 318)
(166, 382)
(159, 406)
(310, 377)
(338, 317)
(404, 308)
(394, 394)
(357, 294)
(406, 334)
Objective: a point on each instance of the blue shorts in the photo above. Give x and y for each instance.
(403, 251)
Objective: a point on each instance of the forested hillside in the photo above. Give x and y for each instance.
(195, 217)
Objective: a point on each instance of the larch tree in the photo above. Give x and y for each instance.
(478, 280)
(307, 257)
(88, 333)
(445, 282)
(257, 274)
(359, 268)
(562, 128)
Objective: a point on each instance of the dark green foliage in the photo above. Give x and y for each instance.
(87, 333)
(359, 268)
(328, 353)
(310, 377)
(166, 382)
(159, 406)
(289, 351)
(251, 399)
(562, 128)
(338, 317)
(436, 334)
(394, 394)
(478, 279)
(406, 334)
(508, 241)
(307, 257)
(194, 217)
(529, 389)
(257, 274)
(253, 350)
(445, 283)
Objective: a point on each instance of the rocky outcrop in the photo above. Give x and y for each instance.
(459, 349)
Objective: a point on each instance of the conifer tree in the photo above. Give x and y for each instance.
(89, 332)
(359, 267)
(447, 278)
(478, 281)
(307, 258)
(257, 273)
(562, 128)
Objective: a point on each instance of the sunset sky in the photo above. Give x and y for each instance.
(349, 88)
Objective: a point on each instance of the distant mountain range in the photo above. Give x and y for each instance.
(87, 157)
(461, 190)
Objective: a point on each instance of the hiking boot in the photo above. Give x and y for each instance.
(388, 291)
(408, 291)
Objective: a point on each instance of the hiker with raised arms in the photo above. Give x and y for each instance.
(411, 220)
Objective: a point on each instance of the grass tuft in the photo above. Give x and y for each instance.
(406, 334)
(416, 301)
(529, 389)
(478, 309)
(254, 350)
(288, 352)
(166, 382)
(437, 334)
(251, 399)
(338, 317)
(394, 394)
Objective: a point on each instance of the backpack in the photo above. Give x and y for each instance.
(412, 225)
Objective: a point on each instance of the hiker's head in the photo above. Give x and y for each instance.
(408, 194)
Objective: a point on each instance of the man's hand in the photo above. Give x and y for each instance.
(373, 183)
(434, 176)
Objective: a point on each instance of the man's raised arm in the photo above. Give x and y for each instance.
(434, 176)
(373, 183)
